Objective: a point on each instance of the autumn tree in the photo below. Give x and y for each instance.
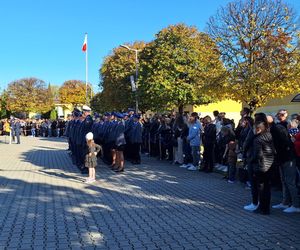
(115, 75)
(28, 95)
(100, 103)
(4, 113)
(74, 92)
(259, 47)
(180, 67)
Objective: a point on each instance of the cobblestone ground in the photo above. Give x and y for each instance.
(44, 204)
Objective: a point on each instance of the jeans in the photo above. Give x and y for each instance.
(33, 132)
(254, 185)
(288, 173)
(231, 172)
(196, 155)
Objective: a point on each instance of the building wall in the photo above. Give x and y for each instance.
(233, 108)
(230, 107)
(276, 104)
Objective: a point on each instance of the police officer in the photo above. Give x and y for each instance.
(72, 134)
(86, 127)
(128, 127)
(111, 138)
(135, 139)
(105, 130)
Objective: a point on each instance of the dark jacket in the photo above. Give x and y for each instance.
(283, 144)
(248, 146)
(263, 152)
(120, 136)
(210, 135)
(136, 134)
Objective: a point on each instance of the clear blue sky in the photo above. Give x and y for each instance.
(43, 38)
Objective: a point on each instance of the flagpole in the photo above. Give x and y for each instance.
(86, 72)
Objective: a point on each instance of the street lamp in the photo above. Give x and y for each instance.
(136, 74)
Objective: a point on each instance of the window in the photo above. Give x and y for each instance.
(296, 98)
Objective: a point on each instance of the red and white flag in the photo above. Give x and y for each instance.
(84, 46)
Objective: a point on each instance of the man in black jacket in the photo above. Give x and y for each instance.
(286, 159)
(209, 141)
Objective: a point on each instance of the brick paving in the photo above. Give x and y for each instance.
(44, 204)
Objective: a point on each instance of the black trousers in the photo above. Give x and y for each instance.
(208, 156)
(107, 157)
(127, 151)
(135, 153)
(262, 181)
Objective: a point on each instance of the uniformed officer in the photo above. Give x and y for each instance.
(135, 139)
(111, 138)
(128, 127)
(120, 143)
(105, 132)
(72, 134)
(86, 127)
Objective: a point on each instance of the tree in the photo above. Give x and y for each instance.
(28, 95)
(115, 75)
(53, 114)
(180, 67)
(74, 92)
(259, 47)
(4, 113)
(99, 103)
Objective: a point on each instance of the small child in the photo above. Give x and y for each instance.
(91, 157)
(231, 154)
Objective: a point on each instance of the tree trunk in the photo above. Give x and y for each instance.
(180, 109)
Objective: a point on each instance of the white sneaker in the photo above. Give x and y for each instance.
(280, 206)
(88, 180)
(292, 209)
(184, 166)
(251, 207)
(192, 168)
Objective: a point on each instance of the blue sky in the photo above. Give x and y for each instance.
(43, 38)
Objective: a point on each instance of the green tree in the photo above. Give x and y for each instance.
(115, 75)
(4, 113)
(180, 67)
(53, 114)
(259, 47)
(74, 92)
(28, 95)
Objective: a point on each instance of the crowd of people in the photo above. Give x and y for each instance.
(264, 146)
(15, 127)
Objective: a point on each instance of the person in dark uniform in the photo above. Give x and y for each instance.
(105, 145)
(95, 127)
(135, 138)
(86, 127)
(67, 130)
(120, 143)
(111, 139)
(72, 135)
(128, 127)
(78, 142)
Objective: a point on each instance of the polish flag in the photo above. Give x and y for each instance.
(84, 46)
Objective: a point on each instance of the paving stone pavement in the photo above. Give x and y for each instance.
(44, 204)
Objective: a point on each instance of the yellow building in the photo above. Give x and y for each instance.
(232, 108)
(291, 103)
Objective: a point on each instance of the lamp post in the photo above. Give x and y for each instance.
(136, 74)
